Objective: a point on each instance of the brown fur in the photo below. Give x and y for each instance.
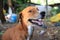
(15, 33)
(20, 31)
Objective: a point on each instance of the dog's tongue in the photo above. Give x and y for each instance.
(39, 21)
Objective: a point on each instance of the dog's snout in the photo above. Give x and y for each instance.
(42, 14)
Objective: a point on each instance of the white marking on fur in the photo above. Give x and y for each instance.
(30, 31)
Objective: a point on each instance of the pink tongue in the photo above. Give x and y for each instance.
(38, 22)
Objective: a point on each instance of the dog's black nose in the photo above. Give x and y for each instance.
(42, 15)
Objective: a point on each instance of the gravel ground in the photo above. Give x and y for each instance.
(36, 35)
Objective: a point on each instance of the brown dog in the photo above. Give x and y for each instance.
(23, 30)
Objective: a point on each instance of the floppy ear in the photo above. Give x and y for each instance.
(20, 17)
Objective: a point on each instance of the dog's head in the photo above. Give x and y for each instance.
(30, 15)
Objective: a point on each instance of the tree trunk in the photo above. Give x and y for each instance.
(29, 1)
(2, 17)
(9, 3)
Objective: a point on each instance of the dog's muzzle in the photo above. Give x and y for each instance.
(38, 22)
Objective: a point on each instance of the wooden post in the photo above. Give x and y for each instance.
(29, 1)
(9, 3)
(2, 17)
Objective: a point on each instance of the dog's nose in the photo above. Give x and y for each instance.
(42, 14)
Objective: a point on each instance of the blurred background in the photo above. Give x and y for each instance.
(18, 5)
(11, 9)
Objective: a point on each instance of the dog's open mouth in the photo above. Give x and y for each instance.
(38, 22)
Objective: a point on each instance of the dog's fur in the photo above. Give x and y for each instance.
(23, 30)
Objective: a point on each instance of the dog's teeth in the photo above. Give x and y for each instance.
(39, 19)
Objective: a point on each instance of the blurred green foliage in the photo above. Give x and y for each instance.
(18, 4)
(55, 10)
(21, 7)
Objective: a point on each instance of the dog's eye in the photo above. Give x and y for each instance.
(30, 11)
(37, 9)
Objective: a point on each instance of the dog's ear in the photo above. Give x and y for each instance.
(20, 17)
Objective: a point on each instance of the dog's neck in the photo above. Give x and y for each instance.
(23, 26)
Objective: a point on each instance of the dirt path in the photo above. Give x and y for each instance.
(36, 35)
